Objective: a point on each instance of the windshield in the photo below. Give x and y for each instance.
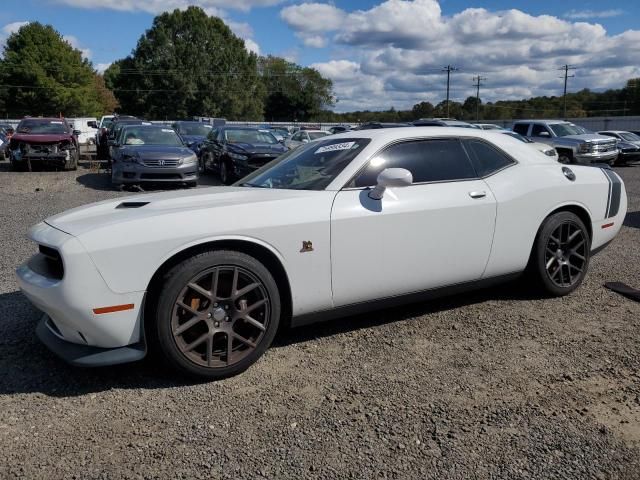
(196, 129)
(150, 136)
(629, 137)
(55, 127)
(238, 135)
(518, 136)
(310, 167)
(316, 135)
(564, 129)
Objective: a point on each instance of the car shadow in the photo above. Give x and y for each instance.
(27, 366)
(101, 180)
(632, 219)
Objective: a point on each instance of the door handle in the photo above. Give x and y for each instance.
(478, 194)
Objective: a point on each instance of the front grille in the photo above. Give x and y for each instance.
(604, 147)
(160, 176)
(257, 161)
(47, 263)
(161, 163)
(41, 149)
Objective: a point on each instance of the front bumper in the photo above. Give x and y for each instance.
(596, 157)
(85, 355)
(133, 172)
(69, 303)
(628, 157)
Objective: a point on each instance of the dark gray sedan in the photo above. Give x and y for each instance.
(152, 153)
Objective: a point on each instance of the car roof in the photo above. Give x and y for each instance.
(540, 120)
(614, 131)
(45, 119)
(315, 130)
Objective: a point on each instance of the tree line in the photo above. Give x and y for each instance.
(190, 64)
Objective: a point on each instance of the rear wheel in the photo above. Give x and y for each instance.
(216, 314)
(561, 253)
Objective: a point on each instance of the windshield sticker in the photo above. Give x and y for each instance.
(168, 130)
(55, 122)
(335, 147)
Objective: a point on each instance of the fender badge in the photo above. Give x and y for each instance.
(307, 246)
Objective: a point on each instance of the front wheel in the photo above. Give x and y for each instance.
(216, 314)
(226, 177)
(561, 253)
(564, 157)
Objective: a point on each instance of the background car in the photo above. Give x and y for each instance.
(236, 151)
(442, 122)
(542, 147)
(349, 223)
(489, 126)
(303, 136)
(152, 153)
(340, 129)
(49, 141)
(378, 125)
(192, 133)
(116, 126)
(628, 145)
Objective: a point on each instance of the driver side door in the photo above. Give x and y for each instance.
(436, 232)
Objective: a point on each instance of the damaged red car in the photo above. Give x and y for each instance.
(50, 141)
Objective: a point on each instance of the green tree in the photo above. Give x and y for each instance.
(294, 92)
(43, 74)
(422, 110)
(188, 64)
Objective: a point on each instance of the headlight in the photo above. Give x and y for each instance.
(190, 159)
(131, 157)
(237, 156)
(550, 153)
(584, 147)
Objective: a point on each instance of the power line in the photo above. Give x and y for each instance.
(566, 69)
(478, 79)
(448, 69)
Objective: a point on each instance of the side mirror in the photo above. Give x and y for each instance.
(92, 124)
(544, 134)
(305, 140)
(391, 177)
(77, 133)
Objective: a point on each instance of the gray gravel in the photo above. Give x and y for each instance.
(494, 384)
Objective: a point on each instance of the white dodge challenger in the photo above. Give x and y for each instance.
(352, 222)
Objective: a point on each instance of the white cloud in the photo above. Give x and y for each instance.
(101, 67)
(313, 41)
(401, 46)
(158, 6)
(75, 43)
(10, 28)
(587, 14)
(252, 46)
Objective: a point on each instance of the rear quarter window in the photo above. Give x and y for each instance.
(521, 128)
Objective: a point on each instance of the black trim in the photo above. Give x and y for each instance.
(615, 192)
(132, 204)
(85, 355)
(595, 251)
(415, 297)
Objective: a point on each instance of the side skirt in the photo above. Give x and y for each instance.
(416, 297)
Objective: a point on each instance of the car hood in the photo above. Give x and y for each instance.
(257, 148)
(104, 215)
(591, 138)
(157, 152)
(625, 144)
(37, 138)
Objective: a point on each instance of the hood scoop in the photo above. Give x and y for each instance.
(132, 204)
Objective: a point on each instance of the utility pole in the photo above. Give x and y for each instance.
(448, 69)
(478, 83)
(566, 69)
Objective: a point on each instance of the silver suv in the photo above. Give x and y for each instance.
(573, 143)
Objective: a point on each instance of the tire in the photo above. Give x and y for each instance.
(116, 185)
(226, 177)
(214, 317)
(202, 169)
(561, 254)
(73, 164)
(565, 157)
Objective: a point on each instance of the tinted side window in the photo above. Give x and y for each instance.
(537, 129)
(485, 158)
(427, 160)
(521, 128)
(212, 134)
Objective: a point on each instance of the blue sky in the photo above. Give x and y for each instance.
(387, 52)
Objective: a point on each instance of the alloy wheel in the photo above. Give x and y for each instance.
(220, 316)
(566, 254)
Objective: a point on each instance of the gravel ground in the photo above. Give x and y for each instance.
(494, 384)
